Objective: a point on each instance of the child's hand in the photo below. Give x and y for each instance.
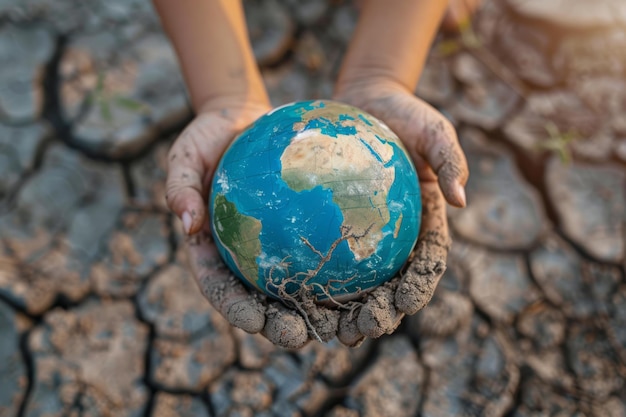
(191, 164)
(196, 153)
(442, 169)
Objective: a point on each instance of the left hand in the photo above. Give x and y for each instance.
(442, 170)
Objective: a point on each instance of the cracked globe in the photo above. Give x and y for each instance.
(315, 200)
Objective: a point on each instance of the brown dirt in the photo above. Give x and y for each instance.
(429, 258)
(378, 314)
(285, 327)
(349, 333)
(325, 321)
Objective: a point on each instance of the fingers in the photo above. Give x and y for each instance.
(429, 257)
(438, 144)
(430, 138)
(285, 327)
(281, 326)
(184, 186)
(348, 332)
(379, 315)
(323, 322)
(191, 162)
(223, 290)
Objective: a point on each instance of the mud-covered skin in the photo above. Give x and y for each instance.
(378, 314)
(221, 288)
(348, 332)
(412, 289)
(284, 327)
(418, 283)
(324, 321)
(442, 169)
(372, 317)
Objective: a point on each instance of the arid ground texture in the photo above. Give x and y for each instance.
(99, 315)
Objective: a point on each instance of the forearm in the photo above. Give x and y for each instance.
(212, 44)
(391, 42)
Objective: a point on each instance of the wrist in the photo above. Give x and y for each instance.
(214, 51)
(365, 88)
(368, 79)
(222, 103)
(235, 110)
(391, 54)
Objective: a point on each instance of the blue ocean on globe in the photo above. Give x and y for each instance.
(315, 198)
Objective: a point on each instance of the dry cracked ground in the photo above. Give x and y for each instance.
(99, 316)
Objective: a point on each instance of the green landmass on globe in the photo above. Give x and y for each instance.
(316, 199)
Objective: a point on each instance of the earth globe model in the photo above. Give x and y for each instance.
(316, 199)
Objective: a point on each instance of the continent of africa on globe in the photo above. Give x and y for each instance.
(316, 200)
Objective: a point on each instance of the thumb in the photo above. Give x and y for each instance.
(440, 147)
(191, 162)
(184, 186)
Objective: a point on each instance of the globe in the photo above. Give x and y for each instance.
(315, 200)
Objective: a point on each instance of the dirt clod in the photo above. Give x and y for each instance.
(348, 332)
(325, 321)
(378, 315)
(284, 327)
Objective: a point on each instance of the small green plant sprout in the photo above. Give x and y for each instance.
(558, 141)
(105, 101)
(467, 39)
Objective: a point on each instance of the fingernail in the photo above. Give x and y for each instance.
(186, 222)
(460, 190)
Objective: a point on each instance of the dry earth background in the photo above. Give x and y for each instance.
(99, 317)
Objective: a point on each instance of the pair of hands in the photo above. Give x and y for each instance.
(442, 170)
